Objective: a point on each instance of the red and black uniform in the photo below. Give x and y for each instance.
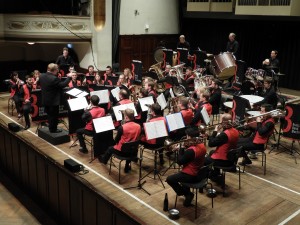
(190, 82)
(187, 115)
(25, 91)
(153, 94)
(191, 159)
(215, 100)
(196, 121)
(128, 132)
(224, 142)
(88, 116)
(76, 83)
(106, 76)
(15, 94)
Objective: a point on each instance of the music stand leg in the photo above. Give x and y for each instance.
(172, 164)
(74, 143)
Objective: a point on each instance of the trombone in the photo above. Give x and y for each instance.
(169, 145)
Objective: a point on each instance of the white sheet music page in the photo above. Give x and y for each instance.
(161, 101)
(103, 124)
(74, 92)
(115, 93)
(205, 116)
(118, 110)
(102, 94)
(77, 103)
(155, 129)
(146, 101)
(175, 121)
(82, 94)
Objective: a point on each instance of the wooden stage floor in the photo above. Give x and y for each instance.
(273, 198)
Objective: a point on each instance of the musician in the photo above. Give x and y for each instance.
(149, 87)
(167, 70)
(128, 76)
(14, 85)
(124, 97)
(215, 96)
(187, 113)
(155, 115)
(183, 43)
(91, 71)
(189, 78)
(271, 63)
(51, 87)
(269, 95)
(191, 159)
(128, 132)
(264, 129)
(122, 81)
(232, 44)
(36, 76)
(74, 82)
(169, 80)
(224, 141)
(92, 112)
(65, 60)
(25, 92)
(108, 73)
(203, 102)
(97, 80)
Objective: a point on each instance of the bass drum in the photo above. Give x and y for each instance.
(224, 65)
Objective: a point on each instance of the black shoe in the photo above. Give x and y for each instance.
(188, 199)
(127, 168)
(83, 150)
(217, 178)
(56, 131)
(245, 162)
(161, 162)
(27, 126)
(101, 160)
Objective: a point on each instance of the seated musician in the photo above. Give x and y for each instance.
(36, 76)
(203, 102)
(128, 132)
(25, 92)
(225, 141)
(91, 71)
(74, 82)
(264, 129)
(269, 95)
(192, 159)
(122, 81)
(128, 76)
(124, 97)
(92, 112)
(14, 85)
(149, 87)
(215, 96)
(97, 80)
(189, 78)
(108, 73)
(156, 115)
(169, 80)
(141, 116)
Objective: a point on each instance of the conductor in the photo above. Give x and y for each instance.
(51, 87)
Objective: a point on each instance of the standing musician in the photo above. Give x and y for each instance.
(155, 115)
(51, 87)
(130, 131)
(226, 140)
(74, 82)
(191, 159)
(264, 129)
(92, 112)
(14, 85)
(203, 102)
(215, 96)
(232, 45)
(189, 78)
(271, 63)
(183, 43)
(269, 95)
(65, 60)
(25, 92)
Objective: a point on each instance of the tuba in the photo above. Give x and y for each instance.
(160, 87)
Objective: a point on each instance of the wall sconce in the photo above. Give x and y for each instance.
(31, 43)
(136, 12)
(147, 27)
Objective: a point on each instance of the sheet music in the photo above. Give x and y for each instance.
(77, 103)
(252, 98)
(118, 110)
(205, 116)
(161, 101)
(103, 124)
(82, 94)
(175, 121)
(74, 92)
(115, 93)
(155, 129)
(172, 93)
(146, 101)
(102, 94)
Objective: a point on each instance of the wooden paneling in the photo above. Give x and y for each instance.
(53, 189)
(64, 198)
(32, 169)
(42, 179)
(8, 153)
(76, 203)
(2, 149)
(24, 165)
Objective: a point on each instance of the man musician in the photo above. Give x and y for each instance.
(25, 93)
(128, 132)
(74, 81)
(203, 103)
(269, 95)
(192, 159)
(15, 84)
(92, 112)
(264, 129)
(169, 81)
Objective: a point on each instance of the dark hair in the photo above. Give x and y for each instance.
(13, 74)
(124, 94)
(109, 67)
(156, 108)
(91, 66)
(192, 132)
(184, 102)
(95, 100)
(28, 76)
(267, 107)
(65, 49)
(217, 81)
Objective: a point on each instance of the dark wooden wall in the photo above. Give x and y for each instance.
(63, 195)
(142, 47)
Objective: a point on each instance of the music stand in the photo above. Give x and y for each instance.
(276, 78)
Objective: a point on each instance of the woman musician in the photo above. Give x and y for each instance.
(74, 82)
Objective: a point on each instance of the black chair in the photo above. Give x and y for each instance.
(233, 155)
(131, 148)
(199, 186)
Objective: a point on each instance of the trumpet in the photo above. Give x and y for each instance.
(169, 145)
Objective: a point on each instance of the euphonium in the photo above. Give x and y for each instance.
(160, 87)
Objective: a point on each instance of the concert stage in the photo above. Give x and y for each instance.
(97, 198)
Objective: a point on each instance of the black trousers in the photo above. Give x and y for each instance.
(18, 103)
(111, 151)
(248, 145)
(216, 162)
(80, 132)
(52, 114)
(175, 179)
(26, 111)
